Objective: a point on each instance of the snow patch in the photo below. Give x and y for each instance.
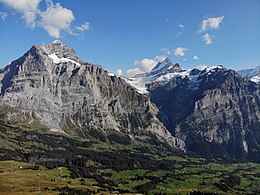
(256, 79)
(169, 76)
(58, 60)
(138, 83)
(245, 146)
(111, 74)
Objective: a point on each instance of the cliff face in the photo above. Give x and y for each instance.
(215, 111)
(52, 85)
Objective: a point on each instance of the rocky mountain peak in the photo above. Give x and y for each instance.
(49, 85)
(162, 66)
(58, 51)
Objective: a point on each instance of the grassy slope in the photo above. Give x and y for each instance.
(148, 168)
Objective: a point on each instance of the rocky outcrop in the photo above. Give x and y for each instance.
(52, 84)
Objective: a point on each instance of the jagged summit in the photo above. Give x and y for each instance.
(164, 67)
(164, 64)
(57, 49)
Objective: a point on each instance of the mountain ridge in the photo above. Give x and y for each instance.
(213, 109)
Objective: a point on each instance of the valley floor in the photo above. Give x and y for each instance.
(23, 178)
(38, 162)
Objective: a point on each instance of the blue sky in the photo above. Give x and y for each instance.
(133, 35)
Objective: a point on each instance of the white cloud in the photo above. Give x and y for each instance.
(28, 8)
(3, 15)
(196, 58)
(211, 23)
(166, 50)
(83, 27)
(184, 59)
(119, 72)
(132, 72)
(207, 38)
(180, 51)
(55, 19)
(144, 65)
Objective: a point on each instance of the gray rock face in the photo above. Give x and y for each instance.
(74, 97)
(216, 112)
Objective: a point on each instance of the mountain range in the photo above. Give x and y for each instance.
(210, 111)
(214, 110)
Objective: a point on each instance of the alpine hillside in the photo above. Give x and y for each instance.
(213, 109)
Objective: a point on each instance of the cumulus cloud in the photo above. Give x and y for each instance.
(83, 27)
(3, 15)
(166, 50)
(133, 71)
(28, 8)
(196, 58)
(55, 19)
(119, 72)
(144, 65)
(207, 38)
(180, 51)
(211, 23)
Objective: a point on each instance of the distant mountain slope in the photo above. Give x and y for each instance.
(251, 74)
(50, 85)
(213, 109)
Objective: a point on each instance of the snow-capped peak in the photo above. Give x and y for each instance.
(165, 71)
(60, 53)
(164, 67)
(165, 64)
